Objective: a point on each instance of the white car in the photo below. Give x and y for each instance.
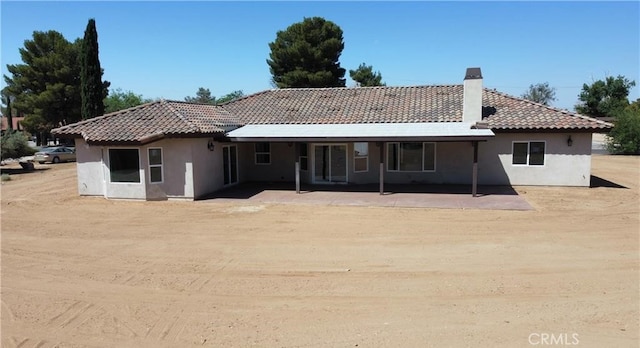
(55, 154)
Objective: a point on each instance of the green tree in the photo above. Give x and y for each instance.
(119, 100)
(47, 86)
(365, 77)
(624, 138)
(307, 54)
(230, 96)
(540, 93)
(93, 89)
(605, 98)
(8, 110)
(203, 96)
(14, 145)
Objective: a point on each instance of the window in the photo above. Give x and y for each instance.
(124, 165)
(263, 153)
(360, 157)
(531, 153)
(155, 165)
(429, 157)
(304, 157)
(411, 157)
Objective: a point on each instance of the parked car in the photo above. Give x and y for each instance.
(55, 154)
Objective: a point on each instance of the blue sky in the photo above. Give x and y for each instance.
(169, 49)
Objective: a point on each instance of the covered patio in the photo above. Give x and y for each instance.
(407, 196)
(381, 134)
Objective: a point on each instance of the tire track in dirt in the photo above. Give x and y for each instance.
(145, 267)
(215, 273)
(162, 329)
(76, 314)
(7, 311)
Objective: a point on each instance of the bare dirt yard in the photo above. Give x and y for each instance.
(89, 272)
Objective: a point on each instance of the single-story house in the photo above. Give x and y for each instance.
(444, 134)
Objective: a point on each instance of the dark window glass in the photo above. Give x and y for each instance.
(411, 157)
(536, 153)
(392, 156)
(429, 156)
(519, 153)
(124, 165)
(263, 155)
(155, 156)
(156, 174)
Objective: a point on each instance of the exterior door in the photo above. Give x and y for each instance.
(330, 163)
(230, 164)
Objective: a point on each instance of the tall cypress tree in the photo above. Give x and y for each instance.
(93, 90)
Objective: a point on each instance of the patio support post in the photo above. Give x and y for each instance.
(474, 183)
(297, 154)
(381, 144)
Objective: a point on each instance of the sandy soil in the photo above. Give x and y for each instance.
(88, 272)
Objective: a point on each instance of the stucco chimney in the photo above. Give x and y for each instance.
(472, 107)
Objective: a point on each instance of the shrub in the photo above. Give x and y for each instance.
(5, 177)
(624, 138)
(15, 145)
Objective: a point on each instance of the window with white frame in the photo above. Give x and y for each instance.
(155, 165)
(360, 157)
(304, 157)
(263, 153)
(528, 153)
(124, 165)
(411, 157)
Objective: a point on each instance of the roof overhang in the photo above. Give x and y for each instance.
(440, 131)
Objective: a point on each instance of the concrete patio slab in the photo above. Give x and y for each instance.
(410, 196)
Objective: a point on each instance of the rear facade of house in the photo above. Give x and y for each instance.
(453, 134)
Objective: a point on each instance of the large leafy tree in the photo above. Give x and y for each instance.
(625, 135)
(120, 100)
(203, 96)
(307, 54)
(93, 89)
(605, 98)
(230, 96)
(47, 86)
(364, 76)
(540, 93)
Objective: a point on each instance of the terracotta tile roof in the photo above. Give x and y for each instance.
(400, 105)
(350, 105)
(416, 104)
(504, 112)
(153, 121)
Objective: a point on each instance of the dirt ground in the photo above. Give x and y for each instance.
(90, 272)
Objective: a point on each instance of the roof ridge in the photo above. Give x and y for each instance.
(179, 114)
(244, 97)
(563, 111)
(109, 115)
(354, 88)
(188, 102)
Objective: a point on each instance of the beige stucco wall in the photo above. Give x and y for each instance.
(178, 171)
(177, 175)
(564, 165)
(208, 176)
(191, 170)
(89, 169)
(281, 168)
